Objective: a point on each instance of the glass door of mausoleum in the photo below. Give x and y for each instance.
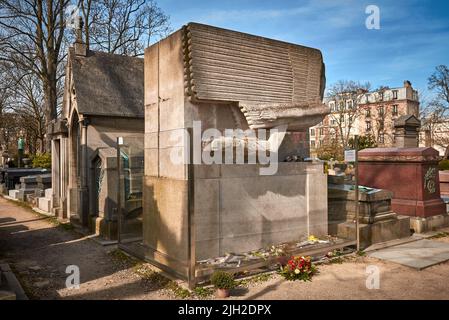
(130, 155)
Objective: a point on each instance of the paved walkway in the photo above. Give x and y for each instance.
(39, 252)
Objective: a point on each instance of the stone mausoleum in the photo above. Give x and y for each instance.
(202, 78)
(103, 99)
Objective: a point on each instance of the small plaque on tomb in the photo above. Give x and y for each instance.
(349, 155)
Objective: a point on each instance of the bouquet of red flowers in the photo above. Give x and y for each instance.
(299, 268)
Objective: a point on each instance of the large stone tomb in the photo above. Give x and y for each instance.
(224, 79)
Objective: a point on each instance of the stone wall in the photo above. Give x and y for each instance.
(232, 207)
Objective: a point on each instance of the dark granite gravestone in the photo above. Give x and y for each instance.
(12, 175)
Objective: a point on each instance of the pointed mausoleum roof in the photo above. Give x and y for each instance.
(407, 120)
(107, 84)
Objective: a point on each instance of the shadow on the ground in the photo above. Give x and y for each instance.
(239, 291)
(42, 255)
(12, 221)
(265, 290)
(6, 220)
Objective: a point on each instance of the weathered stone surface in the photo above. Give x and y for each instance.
(274, 82)
(378, 223)
(103, 100)
(229, 80)
(13, 193)
(378, 232)
(406, 131)
(416, 254)
(44, 204)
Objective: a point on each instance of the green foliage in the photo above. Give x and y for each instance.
(361, 253)
(42, 161)
(178, 291)
(365, 142)
(444, 164)
(202, 292)
(222, 280)
(331, 150)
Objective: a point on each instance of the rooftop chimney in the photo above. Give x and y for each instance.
(407, 84)
(80, 46)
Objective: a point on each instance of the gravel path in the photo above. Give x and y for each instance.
(39, 252)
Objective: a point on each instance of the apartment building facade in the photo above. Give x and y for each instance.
(365, 114)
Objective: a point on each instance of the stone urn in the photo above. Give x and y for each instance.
(223, 293)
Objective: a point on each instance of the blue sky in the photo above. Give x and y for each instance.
(413, 36)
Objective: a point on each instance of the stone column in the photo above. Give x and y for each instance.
(55, 174)
(58, 131)
(83, 191)
(64, 176)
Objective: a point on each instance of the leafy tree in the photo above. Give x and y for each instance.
(364, 142)
(436, 113)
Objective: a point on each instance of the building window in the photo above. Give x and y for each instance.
(332, 106)
(349, 104)
(333, 122)
(381, 110)
(368, 125)
(312, 132)
(395, 94)
(368, 112)
(312, 143)
(381, 96)
(395, 110)
(321, 131)
(342, 106)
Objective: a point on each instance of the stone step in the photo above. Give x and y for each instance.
(44, 204)
(13, 193)
(377, 232)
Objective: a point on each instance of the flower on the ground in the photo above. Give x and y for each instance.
(298, 268)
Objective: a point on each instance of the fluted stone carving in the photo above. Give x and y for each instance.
(274, 82)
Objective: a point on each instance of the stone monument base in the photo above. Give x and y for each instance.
(420, 225)
(410, 173)
(377, 232)
(106, 228)
(377, 222)
(235, 210)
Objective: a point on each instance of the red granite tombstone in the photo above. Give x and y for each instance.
(412, 175)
